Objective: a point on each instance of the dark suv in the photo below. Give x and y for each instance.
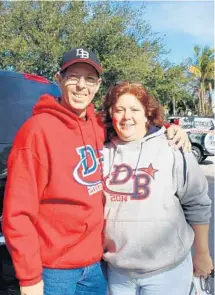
(18, 93)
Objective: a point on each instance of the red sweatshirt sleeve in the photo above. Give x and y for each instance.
(26, 181)
(166, 125)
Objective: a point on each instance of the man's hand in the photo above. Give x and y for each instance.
(178, 138)
(202, 265)
(36, 289)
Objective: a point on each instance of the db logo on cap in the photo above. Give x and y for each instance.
(82, 53)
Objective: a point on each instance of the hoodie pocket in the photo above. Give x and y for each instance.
(67, 230)
(146, 245)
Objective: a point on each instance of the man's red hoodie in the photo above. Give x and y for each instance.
(53, 209)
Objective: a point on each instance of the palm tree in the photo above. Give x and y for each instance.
(202, 71)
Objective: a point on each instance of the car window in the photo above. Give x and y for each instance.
(17, 98)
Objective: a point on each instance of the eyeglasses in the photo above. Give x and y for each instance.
(74, 79)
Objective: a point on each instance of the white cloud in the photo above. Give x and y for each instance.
(193, 18)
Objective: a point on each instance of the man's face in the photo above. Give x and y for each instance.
(79, 85)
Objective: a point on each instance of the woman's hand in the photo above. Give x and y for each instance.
(202, 264)
(178, 138)
(36, 289)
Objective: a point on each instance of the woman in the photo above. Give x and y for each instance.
(156, 201)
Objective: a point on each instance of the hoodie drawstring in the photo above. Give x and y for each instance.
(97, 149)
(138, 160)
(114, 155)
(115, 151)
(84, 143)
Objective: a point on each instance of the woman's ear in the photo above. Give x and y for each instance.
(110, 112)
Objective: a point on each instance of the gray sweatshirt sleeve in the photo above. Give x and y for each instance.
(192, 189)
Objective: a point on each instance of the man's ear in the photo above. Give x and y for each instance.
(58, 78)
(98, 84)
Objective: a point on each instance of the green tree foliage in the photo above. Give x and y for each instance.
(173, 89)
(201, 68)
(34, 34)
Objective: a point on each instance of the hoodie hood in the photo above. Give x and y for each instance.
(50, 105)
(154, 131)
(119, 145)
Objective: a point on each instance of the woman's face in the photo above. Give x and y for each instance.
(128, 118)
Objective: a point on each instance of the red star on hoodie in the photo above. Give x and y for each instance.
(149, 170)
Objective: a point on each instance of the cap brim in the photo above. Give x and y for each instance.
(79, 60)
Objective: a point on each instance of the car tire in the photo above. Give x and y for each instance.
(203, 158)
(197, 152)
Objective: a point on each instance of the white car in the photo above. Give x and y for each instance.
(201, 134)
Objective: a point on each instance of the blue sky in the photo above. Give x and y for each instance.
(181, 24)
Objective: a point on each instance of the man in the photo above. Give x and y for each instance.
(53, 209)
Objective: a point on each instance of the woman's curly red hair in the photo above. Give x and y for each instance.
(153, 110)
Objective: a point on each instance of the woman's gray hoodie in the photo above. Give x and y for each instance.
(153, 195)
